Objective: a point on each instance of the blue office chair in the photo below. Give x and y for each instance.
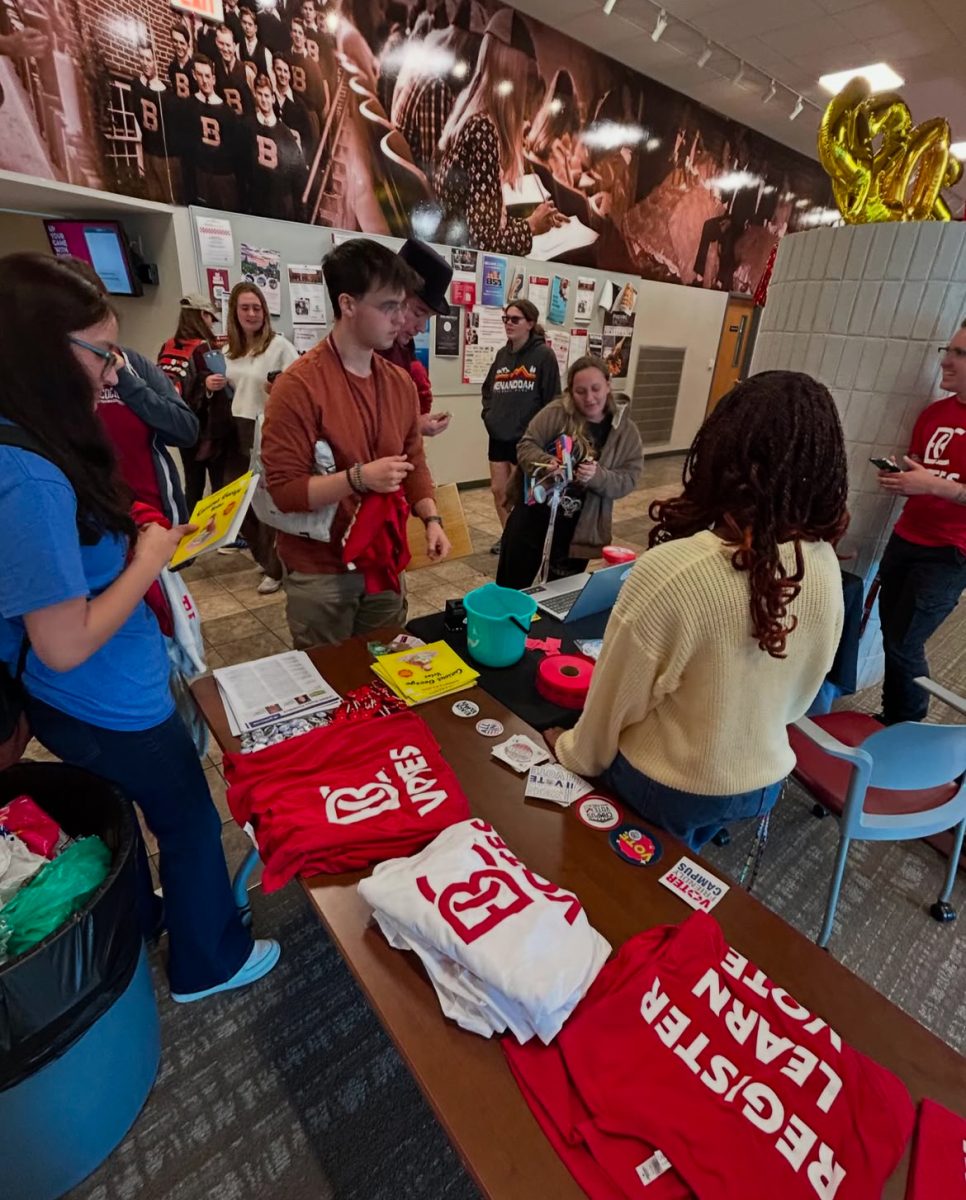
(887, 783)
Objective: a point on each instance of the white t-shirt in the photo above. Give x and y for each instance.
(248, 375)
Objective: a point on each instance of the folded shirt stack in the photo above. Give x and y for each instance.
(686, 1072)
(344, 797)
(504, 948)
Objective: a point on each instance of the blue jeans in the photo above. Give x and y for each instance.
(159, 770)
(691, 818)
(921, 586)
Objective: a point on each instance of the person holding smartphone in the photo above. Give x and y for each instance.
(923, 569)
(95, 674)
(197, 371)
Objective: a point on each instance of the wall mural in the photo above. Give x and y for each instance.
(460, 120)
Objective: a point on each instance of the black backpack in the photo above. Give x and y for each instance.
(11, 689)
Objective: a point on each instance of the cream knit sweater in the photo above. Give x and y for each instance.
(681, 688)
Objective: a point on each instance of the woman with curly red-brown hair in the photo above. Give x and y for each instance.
(726, 628)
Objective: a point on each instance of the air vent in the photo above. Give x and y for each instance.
(654, 399)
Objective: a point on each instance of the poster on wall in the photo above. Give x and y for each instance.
(579, 342)
(494, 280)
(514, 290)
(701, 201)
(463, 288)
(618, 334)
(421, 346)
(538, 293)
(595, 345)
(215, 241)
(559, 343)
(306, 337)
(448, 333)
(219, 283)
(559, 294)
(264, 269)
(627, 300)
(482, 337)
(584, 304)
(306, 293)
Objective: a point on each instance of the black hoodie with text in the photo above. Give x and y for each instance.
(517, 385)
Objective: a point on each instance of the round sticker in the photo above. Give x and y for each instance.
(521, 752)
(598, 812)
(635, 846)
(465, 708)
(489, 728)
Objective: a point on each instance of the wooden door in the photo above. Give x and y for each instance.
(734, 348)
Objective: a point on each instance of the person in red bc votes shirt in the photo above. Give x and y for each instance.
(923, 570)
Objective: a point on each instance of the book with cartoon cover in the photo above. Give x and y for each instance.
(425, 672)
(218, 518)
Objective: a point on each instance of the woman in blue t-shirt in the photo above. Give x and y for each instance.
(75, 573)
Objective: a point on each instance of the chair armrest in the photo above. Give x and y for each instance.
(832, 745)
(942, 693)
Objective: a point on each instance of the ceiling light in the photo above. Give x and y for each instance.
(704, 55)
(771, 93)
(734, 181)
(652, 144)
(609, 6)
(880, 77)
(609, 135)
(797, 110)
(739, 75)
(504, 87)
(958, 150)
(659, 26)
(461, 69)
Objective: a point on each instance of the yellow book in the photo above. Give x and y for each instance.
(425, 673)
(218, 518)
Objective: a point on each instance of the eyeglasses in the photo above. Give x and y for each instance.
(389, 308)
(508, 320)
(108, 357)
(956, 351)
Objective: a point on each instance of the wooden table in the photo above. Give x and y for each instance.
(463, 1076)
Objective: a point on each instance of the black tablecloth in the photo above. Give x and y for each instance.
(515, 686)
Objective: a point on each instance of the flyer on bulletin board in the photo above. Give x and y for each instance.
(538, 293)
(215, 241)
(306, 291)
(448, 333)
(559, 295)
(494, 280)
(559, 343)
(514, 289)
(219, 283)
(482, 338)
(264, 269)
(579, 345)
(306, 337)
(584, 305)
(618, 334)
(462, 290)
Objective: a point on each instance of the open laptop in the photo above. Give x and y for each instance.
(580, 595)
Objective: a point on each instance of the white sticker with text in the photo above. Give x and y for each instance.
(695, 885)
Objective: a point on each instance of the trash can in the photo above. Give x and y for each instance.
(79, 1032)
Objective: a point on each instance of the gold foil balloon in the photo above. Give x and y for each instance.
(882, 166)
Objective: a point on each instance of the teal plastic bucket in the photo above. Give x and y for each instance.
(497, 622)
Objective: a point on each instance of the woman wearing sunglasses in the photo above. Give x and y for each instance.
(523, 377)
(96, 670)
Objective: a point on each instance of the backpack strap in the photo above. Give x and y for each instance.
(13, 435)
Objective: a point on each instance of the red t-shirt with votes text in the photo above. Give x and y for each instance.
(939, 440)
(727, 1084)
(344, 797)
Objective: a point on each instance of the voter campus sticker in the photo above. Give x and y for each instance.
(466, 708)
(489, 728)
(598, 812)
(633, 845)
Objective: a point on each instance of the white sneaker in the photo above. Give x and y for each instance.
(268, 586)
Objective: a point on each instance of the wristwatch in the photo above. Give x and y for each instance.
(435, 519)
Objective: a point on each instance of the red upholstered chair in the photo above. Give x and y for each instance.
(887, 784)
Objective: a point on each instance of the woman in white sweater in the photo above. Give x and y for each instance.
(255, 352)
(727, 626)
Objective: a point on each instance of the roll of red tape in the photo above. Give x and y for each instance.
(564, 679)
(613, 555)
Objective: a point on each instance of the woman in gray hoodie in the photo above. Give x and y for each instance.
(523, 378)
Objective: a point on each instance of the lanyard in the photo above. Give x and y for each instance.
(368, 420)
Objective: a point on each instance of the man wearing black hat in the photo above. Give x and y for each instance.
(436, 275)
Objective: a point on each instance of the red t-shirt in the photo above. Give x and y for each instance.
(939, 1159)
(344, 797)
(131, 440)
(689, 1050)
(939, 440)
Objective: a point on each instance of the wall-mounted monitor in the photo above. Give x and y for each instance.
(102, 244)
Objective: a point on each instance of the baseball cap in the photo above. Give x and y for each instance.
(199, 301)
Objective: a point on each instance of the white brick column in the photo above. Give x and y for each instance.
(864, 309)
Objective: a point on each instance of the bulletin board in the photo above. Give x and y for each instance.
(298, 244)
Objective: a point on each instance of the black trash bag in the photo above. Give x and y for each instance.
(52, 994)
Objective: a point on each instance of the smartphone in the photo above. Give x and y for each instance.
(885, 464)
(215, 362)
